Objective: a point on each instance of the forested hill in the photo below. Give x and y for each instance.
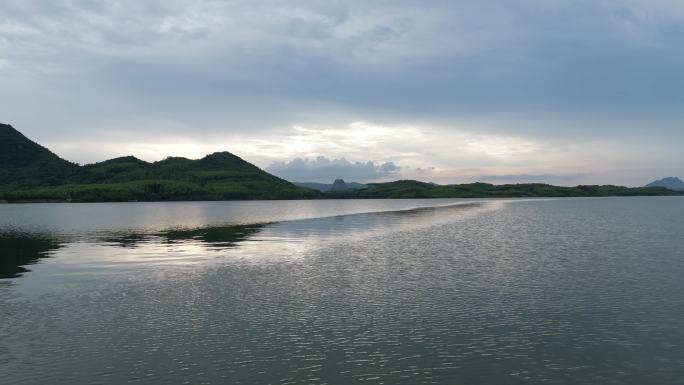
(25, 164)
(30, 172)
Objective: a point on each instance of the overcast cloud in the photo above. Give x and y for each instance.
(321, 168)
(448, 91)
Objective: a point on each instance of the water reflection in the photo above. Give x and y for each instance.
(218, 237)
(20, 249)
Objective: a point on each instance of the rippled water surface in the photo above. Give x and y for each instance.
(565, 291)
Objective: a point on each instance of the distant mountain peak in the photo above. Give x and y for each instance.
(671, 182)
(337, 185)
(672, 179)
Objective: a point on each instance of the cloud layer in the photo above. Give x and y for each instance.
(522, 80)
(322, 169)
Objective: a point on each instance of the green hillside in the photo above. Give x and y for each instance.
(25, 164)
(33, 173)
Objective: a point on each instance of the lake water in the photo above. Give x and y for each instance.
(555, 291)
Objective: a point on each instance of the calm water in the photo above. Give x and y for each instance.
(568, 291)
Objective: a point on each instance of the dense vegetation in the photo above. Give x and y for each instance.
(25, 164)
(415, 189)
(30, 172)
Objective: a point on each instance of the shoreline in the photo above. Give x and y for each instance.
(43, 201)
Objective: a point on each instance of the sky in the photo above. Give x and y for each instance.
(499, 91)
